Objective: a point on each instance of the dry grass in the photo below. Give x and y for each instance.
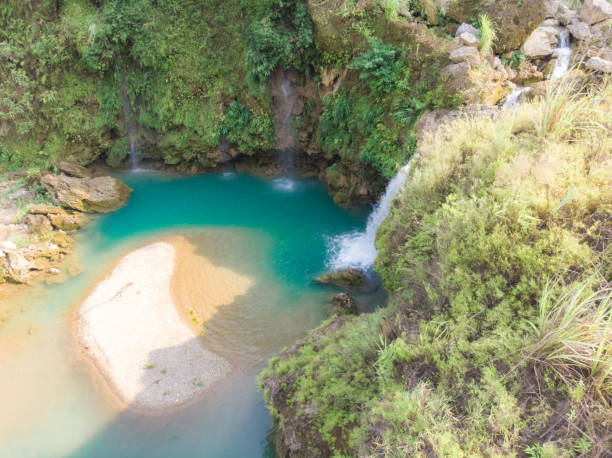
(573, 335)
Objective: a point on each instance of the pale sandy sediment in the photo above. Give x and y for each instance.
(135, 332)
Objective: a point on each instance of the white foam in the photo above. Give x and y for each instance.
(357, 249)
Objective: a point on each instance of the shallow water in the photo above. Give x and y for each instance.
(54, 405)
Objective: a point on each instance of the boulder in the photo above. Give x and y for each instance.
(68, 222)
(598, 64)
(7, 245)
(343, 304)
(74, 170)
(469, 39)
(348, 278)
(594, 11)
(18, 267)
(38, 224)
(541, 42)
(567, 15)
(467, 28)
(53, 271)
(457, 75)
(101, 194)
(466, 54)
(513, 20)
(580, 30)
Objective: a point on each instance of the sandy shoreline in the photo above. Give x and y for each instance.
(139, 325)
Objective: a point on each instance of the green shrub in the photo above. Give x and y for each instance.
(380, 66)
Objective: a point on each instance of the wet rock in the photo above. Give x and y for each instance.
(594, 11)
(67, 222)
(38, 224)
(101, 194)
(541, 42)
(74, 170)
(598, 64)
(348, 278)
(466, 54)
(580, 31)
(343, 304)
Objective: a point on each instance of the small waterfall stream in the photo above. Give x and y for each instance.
(517, 96)
(129, 120)
(357, 249)
(564, 53)
(285, 103)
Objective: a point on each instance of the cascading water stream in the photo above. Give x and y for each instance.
(564, 53)
(357, 249)
(517, 96)
(285, 103)
(129, 122)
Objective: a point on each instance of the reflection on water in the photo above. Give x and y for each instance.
(54, 405)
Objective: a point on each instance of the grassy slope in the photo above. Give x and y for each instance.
(493, 343)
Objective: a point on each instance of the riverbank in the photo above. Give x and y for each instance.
(141, 325)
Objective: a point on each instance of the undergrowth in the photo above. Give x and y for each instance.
(498, 338)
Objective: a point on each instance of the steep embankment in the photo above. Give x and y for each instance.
(498, 337)
(193, 82)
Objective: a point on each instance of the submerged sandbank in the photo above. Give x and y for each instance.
(140, 325)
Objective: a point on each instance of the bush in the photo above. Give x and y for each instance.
(380, 66)
(250, 133)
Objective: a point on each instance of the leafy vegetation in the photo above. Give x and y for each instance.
(497, 338)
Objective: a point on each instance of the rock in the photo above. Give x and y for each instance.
(598, 64)
(467, 28)
(61, 239)
(19, 267)
(566, 15)
(101, 194)
(594, 11)
(458, 75)
(68, 222)
(541, 42)
(74, 170)
(606, 54)
(466, 54)
(513, 20)
(7, 245)
(552, 8)
(580, 30)
(348, 278)
(343, 304)
(38, 224)
(2, 254)
(45, 210)
(550, 23)
(53, 271)
(469, 39)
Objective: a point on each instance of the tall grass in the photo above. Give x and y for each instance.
(488, 34)
(573, 336)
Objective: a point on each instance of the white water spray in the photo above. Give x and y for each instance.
(517, 96)
(356, 249)
(564, 53)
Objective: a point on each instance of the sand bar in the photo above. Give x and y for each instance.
(138, 337)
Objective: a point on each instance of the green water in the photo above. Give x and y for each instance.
(275, 232)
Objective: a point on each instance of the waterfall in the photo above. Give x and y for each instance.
(517, 96)
(129, 121)
(563, 52)
(285, 103)
(356, 249)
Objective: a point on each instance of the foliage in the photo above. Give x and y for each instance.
(280, 34)
(480, 351)
(488, 35)
(247, 131)
(380, 66)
